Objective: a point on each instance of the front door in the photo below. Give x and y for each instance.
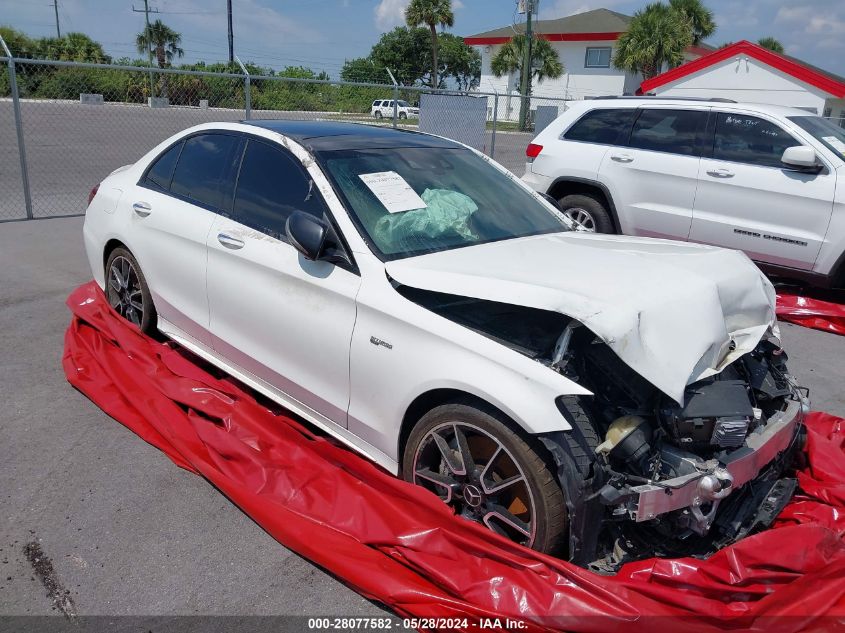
(285, 319)
(748, 200)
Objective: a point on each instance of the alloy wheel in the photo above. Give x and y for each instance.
(124, 290)
(470, 470)
(584, 221)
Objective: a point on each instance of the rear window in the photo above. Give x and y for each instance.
(204, 171)
(607, 126)
(673, 131)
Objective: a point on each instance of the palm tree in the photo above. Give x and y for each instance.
(771, 43)
(430, 13)
(700, 16)
(544, 59)
(657, 35)
(163, 41)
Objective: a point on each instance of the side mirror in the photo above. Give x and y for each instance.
(801, 158)
(306, 234)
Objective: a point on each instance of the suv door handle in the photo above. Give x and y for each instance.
(230, 242)
(141, 209)
(720, 173)
(622, 158)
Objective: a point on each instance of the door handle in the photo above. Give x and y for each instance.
(622, 158)
(230, 242)
(720, 173)
(141, 209)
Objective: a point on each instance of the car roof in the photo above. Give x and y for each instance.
(690, 103)
(323, 136)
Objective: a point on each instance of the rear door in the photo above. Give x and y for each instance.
(285, 319)
(173, 208)
(748, 200)
(653, 178)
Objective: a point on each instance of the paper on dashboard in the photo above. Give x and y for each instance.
(393, 191)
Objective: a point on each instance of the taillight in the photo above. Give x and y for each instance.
(532, 151)
(93, 193)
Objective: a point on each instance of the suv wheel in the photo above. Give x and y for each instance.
(127, 290)
(403, 115)
(474, 462)
(588, 213)
(378, 114)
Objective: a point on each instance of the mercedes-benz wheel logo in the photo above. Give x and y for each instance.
(472, 495)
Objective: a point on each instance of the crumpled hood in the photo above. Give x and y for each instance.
(671, 310)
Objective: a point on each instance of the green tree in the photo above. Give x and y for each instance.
(771, 43)
(20, 44)
(362, 69)
(699, 16)
(544, 59)
(74, 47)
(404, 52)
(163, 41)
(460, 62)
(657, 35)
(430, 13)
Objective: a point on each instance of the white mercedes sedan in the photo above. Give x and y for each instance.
(598, 397)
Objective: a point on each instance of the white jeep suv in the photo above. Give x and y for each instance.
(764, 179)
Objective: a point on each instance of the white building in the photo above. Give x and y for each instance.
(748, 72)
(585, 44)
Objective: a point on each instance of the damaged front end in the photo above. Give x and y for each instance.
(642, 474)
(679, 480)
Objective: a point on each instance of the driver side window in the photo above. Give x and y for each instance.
(741, 138)
(271, 185)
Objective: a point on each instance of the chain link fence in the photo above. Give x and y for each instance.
(65, 125)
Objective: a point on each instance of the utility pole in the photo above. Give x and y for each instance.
(146, 11)
(56, 10)
(231, 38)
(525, 87)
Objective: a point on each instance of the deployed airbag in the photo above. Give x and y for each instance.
(400, 545)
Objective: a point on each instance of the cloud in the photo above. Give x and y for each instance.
(390, 13)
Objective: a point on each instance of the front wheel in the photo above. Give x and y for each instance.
(379, 115)
(472, 460)
(127, 290)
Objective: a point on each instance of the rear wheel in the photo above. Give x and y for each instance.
(588, 213)
(472, 460)
(127, 290)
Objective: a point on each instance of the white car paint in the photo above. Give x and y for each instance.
(779, 217)
(300, 332)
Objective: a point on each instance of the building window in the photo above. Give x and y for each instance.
(597, 57)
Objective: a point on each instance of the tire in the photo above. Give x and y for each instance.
(148, 317)
(588, 211)
(500, 455)
(379, 115)
(403, 115)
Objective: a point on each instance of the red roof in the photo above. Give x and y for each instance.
(793, 67)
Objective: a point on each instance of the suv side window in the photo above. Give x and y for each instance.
(672, 131)
(161, 171)
(376, 104)
(749, 139)
(605, 126)
(272, 184)
(203, 173)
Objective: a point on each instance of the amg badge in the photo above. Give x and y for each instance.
(378, 341)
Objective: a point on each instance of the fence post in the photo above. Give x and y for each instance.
(395, 96)
(16, 106)
(247, 93)
(495, 118)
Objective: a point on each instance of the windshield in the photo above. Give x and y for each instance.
(830, 135)
(404, 104)
(411, 201)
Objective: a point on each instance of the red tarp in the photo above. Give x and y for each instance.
(400, 545)
(811, 312)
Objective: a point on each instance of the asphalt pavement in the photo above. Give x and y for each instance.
(126, 531)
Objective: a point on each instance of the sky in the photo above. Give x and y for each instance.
(321, 34)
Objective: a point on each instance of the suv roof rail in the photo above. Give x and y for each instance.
(716, 99)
